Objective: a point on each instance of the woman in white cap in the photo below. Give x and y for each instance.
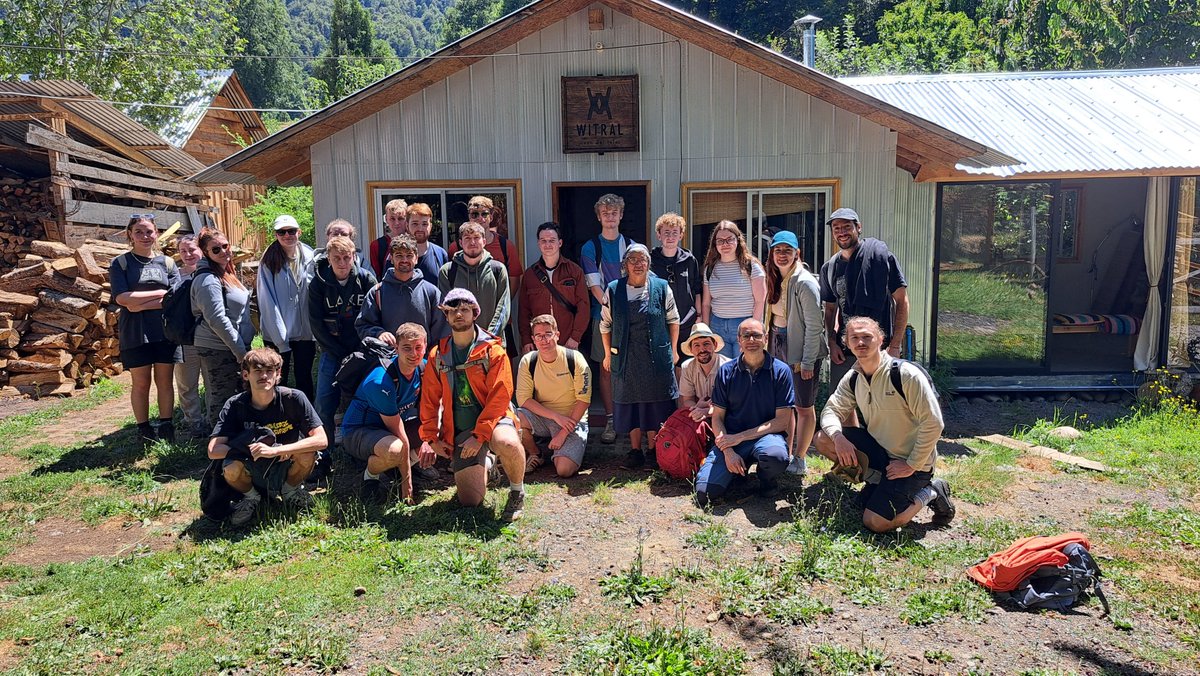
(735, 285)
(283, 276)
(639, 326)
(795, 326)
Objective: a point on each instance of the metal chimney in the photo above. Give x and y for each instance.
(808, 24)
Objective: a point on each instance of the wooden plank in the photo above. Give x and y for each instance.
(78, 211)
(125, 193)
(100, 133)
(52, 341)
(44, 138)
(59, 319)
(76, 169)
(78, 287)
(1043, 452)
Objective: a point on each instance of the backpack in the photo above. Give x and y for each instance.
(682, 445)
(533, 364)
(216, 495)
(597, 252)
(178, 320)
(894, 376)
(1042, 572)
(357, 365)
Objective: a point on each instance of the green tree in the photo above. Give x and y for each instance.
(127, 50)
(296, 201)
(351, 34)
(278, 82)
(467, 16)
(926, 38)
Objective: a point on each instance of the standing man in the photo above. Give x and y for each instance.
(481, 210)
(554, 286)
(475, 270)
(554, 390)
(679, 267)
(862, 280)
(430, 256)
(897, 447)
(699, 373)
(403, 296)
(601, 259)
(279, 461)
(395, 217)
(466, 414)
(752, 416)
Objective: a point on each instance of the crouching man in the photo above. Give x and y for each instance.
(897, 446)
(381, 425)
(752, 401)
(698, 373)
(554, 391)
(466, 414)
(277, 466)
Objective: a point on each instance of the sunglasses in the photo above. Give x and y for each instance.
(287, 232)
(479, 214)
(148, 217)
(214, 250)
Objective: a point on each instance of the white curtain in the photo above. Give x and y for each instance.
(1158, 195)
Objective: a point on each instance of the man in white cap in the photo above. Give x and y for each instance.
(700, 371)
(862, 279)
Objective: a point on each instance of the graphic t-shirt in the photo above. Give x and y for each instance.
(609, 268)
(139, 328)
(378, 395)
(290, 416)
(466, 407)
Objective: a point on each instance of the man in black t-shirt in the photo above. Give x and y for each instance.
(268, 437)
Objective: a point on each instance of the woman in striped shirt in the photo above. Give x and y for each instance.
(735, 285)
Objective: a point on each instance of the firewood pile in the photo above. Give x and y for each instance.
(23, 207)
(58, 323)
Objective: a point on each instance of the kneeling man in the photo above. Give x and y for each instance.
(554, 391)
(466, 414)
(752, 401)
(897, 447)
(280, 457)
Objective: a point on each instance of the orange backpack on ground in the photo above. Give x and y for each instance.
(1004, 570)
(1043, 572)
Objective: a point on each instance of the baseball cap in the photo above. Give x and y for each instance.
(845, 214)
(285, 221)
(785, 237)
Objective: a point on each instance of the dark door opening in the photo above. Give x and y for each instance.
(574, 210)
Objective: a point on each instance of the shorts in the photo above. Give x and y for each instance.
(458, 463)
(159, 352)
(597, 344)
(267, 474)
(360, 442)
(806, 390)
(891, 496)
(544, 428)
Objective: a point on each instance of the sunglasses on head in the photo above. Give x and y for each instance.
(139, 217)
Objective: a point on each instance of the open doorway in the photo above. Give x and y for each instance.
(574, 210)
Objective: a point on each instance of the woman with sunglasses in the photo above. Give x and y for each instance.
(735, 285)
(283, 276)
(795, 326)
(139, 280)
(223, 334)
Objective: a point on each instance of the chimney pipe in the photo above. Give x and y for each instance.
(808, 24)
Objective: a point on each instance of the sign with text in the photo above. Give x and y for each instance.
(600, 114)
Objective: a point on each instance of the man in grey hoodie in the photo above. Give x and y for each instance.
(402, 296)
(474, 269)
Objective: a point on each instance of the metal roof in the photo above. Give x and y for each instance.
(195, 103)
(1061, 122)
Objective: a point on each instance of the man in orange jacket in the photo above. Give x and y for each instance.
(469, 378)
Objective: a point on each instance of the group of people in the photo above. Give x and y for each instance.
(728, 339)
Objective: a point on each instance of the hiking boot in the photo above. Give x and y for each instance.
(320, 471)
(425, 475)
(244, 511)
(298, 500)
(651, 459)
(942, 505)
(514, 507)
(797, 465)
(609, 435)
(372, 492)
(166, 431)
(634, 459)
(146, 435)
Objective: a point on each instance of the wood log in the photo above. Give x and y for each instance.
(39, 329)
(55, 378)
(9, 337)
(59, 358)
(98, 320)
(54, 341)
(18, 304)
(71, 371)
(26, 272)
(27, 366)
(89, 268)
(68, 303)
(50, 249)
(62, 320)
(66, 266)
(80, 288)
(6, 320)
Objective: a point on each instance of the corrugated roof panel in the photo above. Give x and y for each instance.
(1060, 122)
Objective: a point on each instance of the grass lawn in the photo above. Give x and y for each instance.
(1015, 322)
(614, 573)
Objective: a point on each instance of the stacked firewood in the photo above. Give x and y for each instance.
(58, 324)
(24, 205)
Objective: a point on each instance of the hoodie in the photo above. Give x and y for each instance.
(333, 307)
(225, 313)
(392, 302)
(488, 280)
(281, 312)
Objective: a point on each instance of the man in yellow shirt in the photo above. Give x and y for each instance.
(554, 390)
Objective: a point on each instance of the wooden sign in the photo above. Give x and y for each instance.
(600, 114)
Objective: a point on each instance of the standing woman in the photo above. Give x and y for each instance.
(224, 333)
(639, 326)
(283, 276)
(139, 280)
(187, 372)
(796, 335)
(735, 285)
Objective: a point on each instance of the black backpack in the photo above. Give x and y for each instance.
(533, 364)
(1060, 587)
(217, 497)
(179, 322)
(357, 365)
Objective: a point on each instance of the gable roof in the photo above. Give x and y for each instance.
(277, 158)
(1131, 122)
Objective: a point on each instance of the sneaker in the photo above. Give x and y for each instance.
(244, 511)
(493, 470)
(426, 474)
(651, 459)
(514, 507)
(532, 463)
(609, 435)
(298, 500)
(634, 459)
(372, 492)
(942, 505)
(797, 465)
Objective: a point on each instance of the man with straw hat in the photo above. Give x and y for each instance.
(698, 373)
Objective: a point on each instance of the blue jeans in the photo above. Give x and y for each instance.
(727, 329)
(329, 396)
(769, 451)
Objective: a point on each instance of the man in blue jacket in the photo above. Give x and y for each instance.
(402, 296)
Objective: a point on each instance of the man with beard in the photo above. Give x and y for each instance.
(554, 390)
(430, 256)
(698, 373)
(403, 296)
(896, 447)
(863, 279)
(475, 270)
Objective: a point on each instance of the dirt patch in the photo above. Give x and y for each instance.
(60, 540)
(12, 466)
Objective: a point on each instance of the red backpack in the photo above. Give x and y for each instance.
(681, 445)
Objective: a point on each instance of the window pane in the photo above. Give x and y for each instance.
(1183, 346)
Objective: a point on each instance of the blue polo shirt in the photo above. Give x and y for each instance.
(751, 399)
(378, 395)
